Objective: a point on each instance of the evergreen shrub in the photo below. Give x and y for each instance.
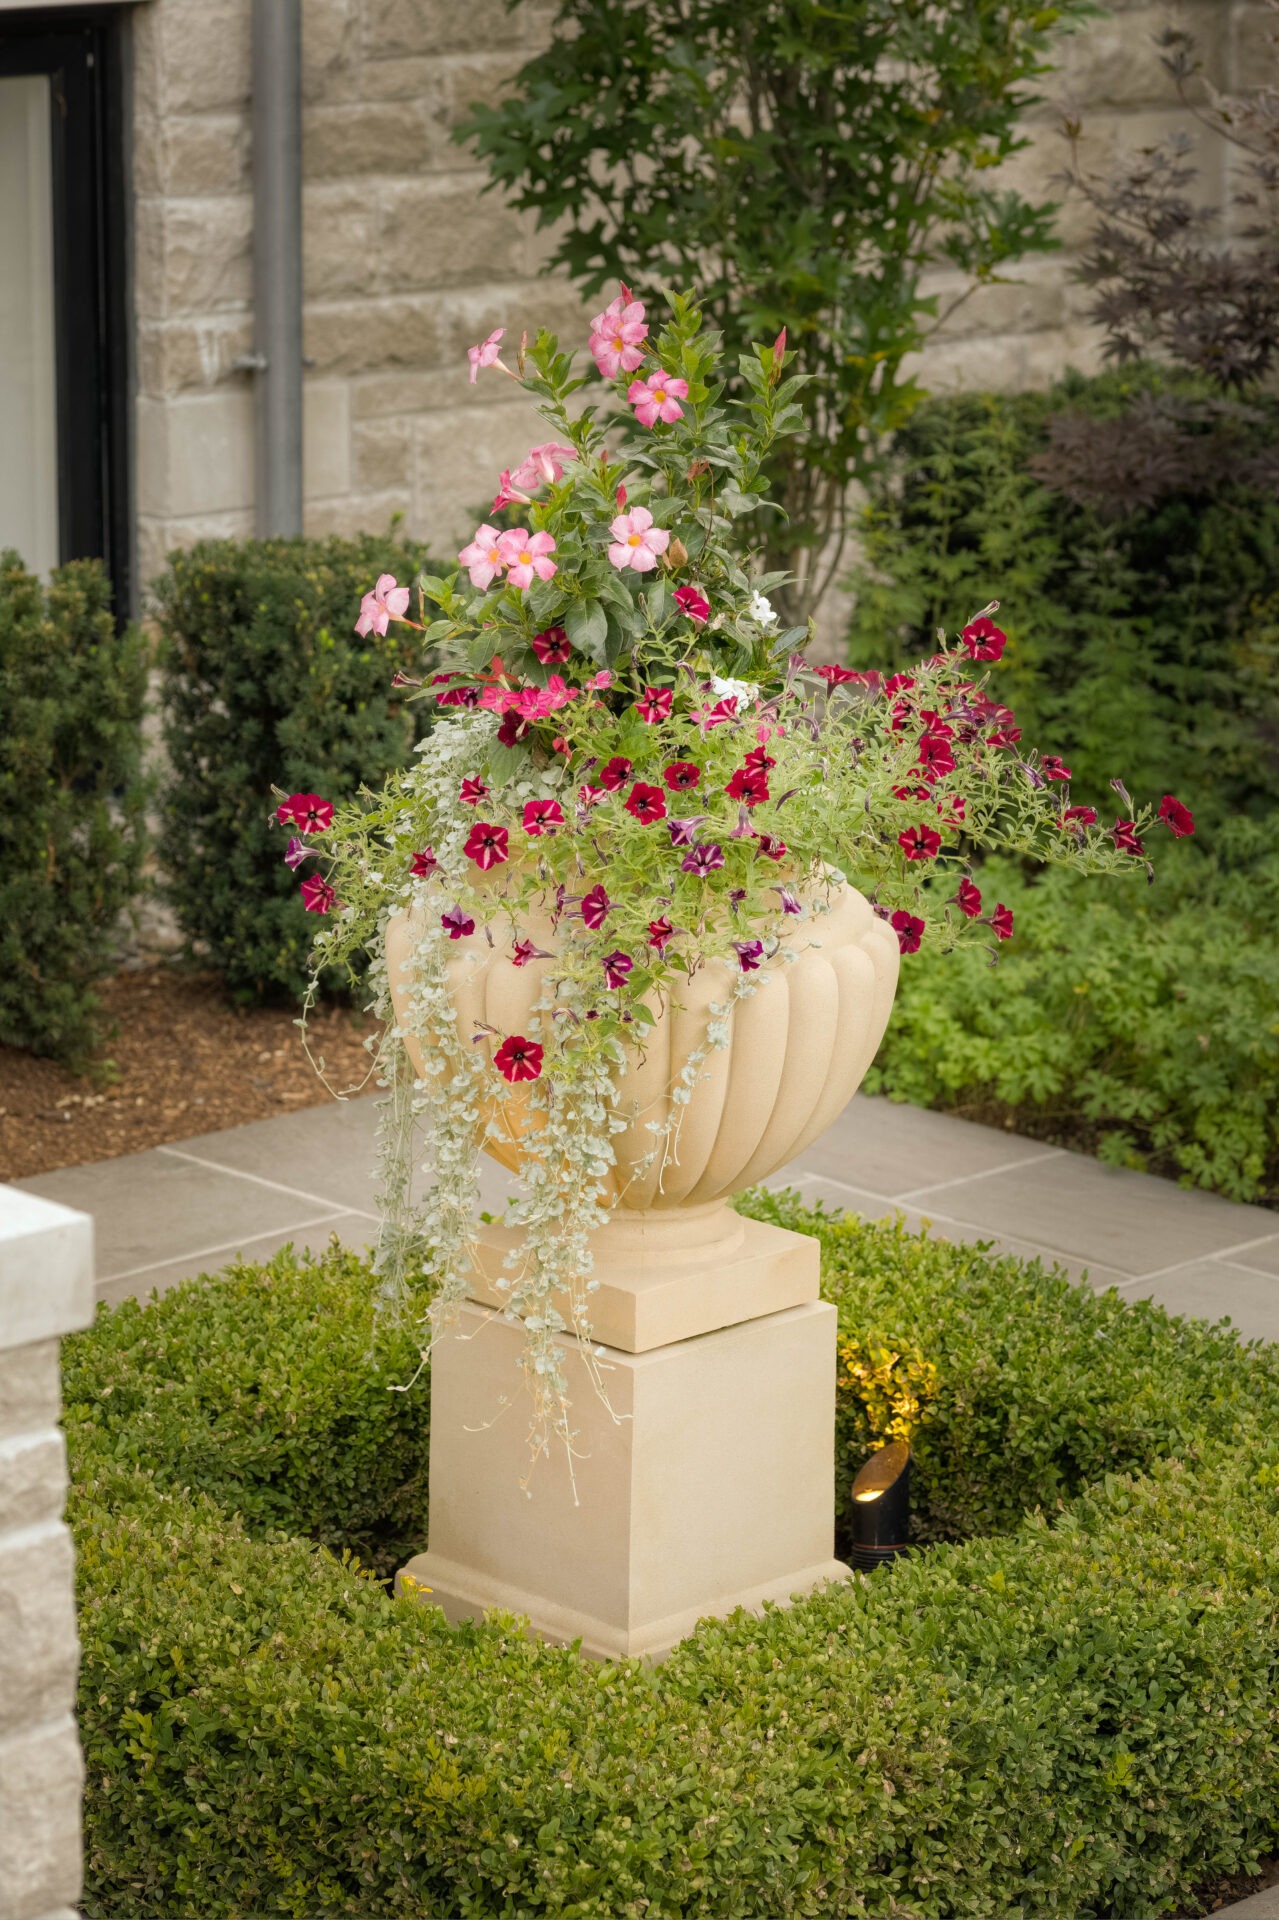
(1073, 1717)
(72, 827)
(267, 684)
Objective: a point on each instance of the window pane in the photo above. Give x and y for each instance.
(28, 393)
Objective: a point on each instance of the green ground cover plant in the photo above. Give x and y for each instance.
(1072, 1716)
(72, 828)
(266, 685)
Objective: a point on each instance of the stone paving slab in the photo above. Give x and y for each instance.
(179, 1210)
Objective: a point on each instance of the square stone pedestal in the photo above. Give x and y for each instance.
(709, 1485)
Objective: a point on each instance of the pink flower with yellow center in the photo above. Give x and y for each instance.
(544, 465)
(385, 603)
(657, 398)
(483, 557)
(636, 541)
(526, 556)
(485, 355)
(617, 335)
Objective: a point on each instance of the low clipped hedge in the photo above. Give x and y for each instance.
(1074, 1716)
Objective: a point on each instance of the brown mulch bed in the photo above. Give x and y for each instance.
(182, 1061)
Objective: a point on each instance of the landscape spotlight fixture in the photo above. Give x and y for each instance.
(881, 1507)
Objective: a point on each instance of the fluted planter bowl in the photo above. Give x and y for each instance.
(797, 1052)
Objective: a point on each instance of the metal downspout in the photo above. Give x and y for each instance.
(277, 264)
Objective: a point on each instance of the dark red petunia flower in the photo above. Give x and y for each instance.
(911, 793)
(590, 796)
(1086, 816)
(472, 792)
(759, 760)
(694, 603)
(1126, 837)
(542, 816)
(487, 844)
(614, 773)
(306, 811)
(424, 864)
(722, 711)
(659, 932)
(953, 809)
(646, 804)
(1052, 767)
(523, 951)
(1176, 817)
(513, 728)
(616, 967)
(552, 647)
(770, 846)
(1001, 922)
(461, 696)
(969, 899)
(683, 829)
(909, 929)
(317, 895)
(935, 757)
(1003, 735)
(748, 784)
(983, 640)
(837, 676)
(750, 954)
(919, 843)
(898, 683)
(655, 705)
(457, 922)
(518, 1058)
(681, 775)
(791, 902)
(703, 859)
(595, 907)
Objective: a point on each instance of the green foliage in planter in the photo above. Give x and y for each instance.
(266, 683)
(1042, 1387)
(72, 833)
(1144, 647)
(1141, 1022)
(266, 1389)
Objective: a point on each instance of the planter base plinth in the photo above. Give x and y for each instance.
(705, 1483)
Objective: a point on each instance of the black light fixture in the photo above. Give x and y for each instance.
(881, 1507)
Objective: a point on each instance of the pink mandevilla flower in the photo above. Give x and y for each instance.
(655, 705)
(909, 929)
(526, 556)
(616, 337)
(385, 603)
(616, 967)
(518, 1058)
(317, 895)
(691, 601)
(636, 541)
(307, 811)
(482, 557)
(595, 908)
(657, 398)
(487, 844)
(508, 494)
(486, 353)
(542, 816)
(544, 465)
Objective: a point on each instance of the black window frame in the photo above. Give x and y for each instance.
(83, 56)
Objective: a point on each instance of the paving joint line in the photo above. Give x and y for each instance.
(276, 1186)
(1218, 1253)
(225, 1246)
(987, 1173)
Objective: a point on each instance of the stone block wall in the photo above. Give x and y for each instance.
(407, 262)
(46, 1290)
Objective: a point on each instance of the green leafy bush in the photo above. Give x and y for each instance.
(1070, 1719)
(1139, 1022)
(1145, 647)
(266, 683)
(72, 832)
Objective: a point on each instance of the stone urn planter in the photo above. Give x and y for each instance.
(705, 1480)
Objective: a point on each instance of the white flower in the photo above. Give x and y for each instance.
(762, 611)
(740, 692)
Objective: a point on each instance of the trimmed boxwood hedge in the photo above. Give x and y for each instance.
(1075, 1716)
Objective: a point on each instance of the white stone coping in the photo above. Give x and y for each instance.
(46, 1268)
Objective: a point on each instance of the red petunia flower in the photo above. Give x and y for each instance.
(646, 804)
(1086, 816)
(702, 859)
(953, 809)
(898, 683)
(513, 728)
(911, 793)
(424, 864)
(836, 676)
(655, 705)
(750, 954)
(590, 796)
(472, 792)
(542, 816)
(983, 640)
(518, 1059)
(770, 846)
(749, 784)
(909, 929)
(1176, 817)
(659, 932)
(716, 716)
(317, 895)
(935, 757)
(1126, 837)
(681, 775)
(595, 907)
(616, 967)
(1052, 767)
(461, 696)
(523, 951)
(919, 843)
(759, 760)
(457, 923)
(1004, 735)
(694, 603)
(307, 811)
(615, 773)
(969, 899)
(552, 647)
(1001, 922)
(486, 844)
